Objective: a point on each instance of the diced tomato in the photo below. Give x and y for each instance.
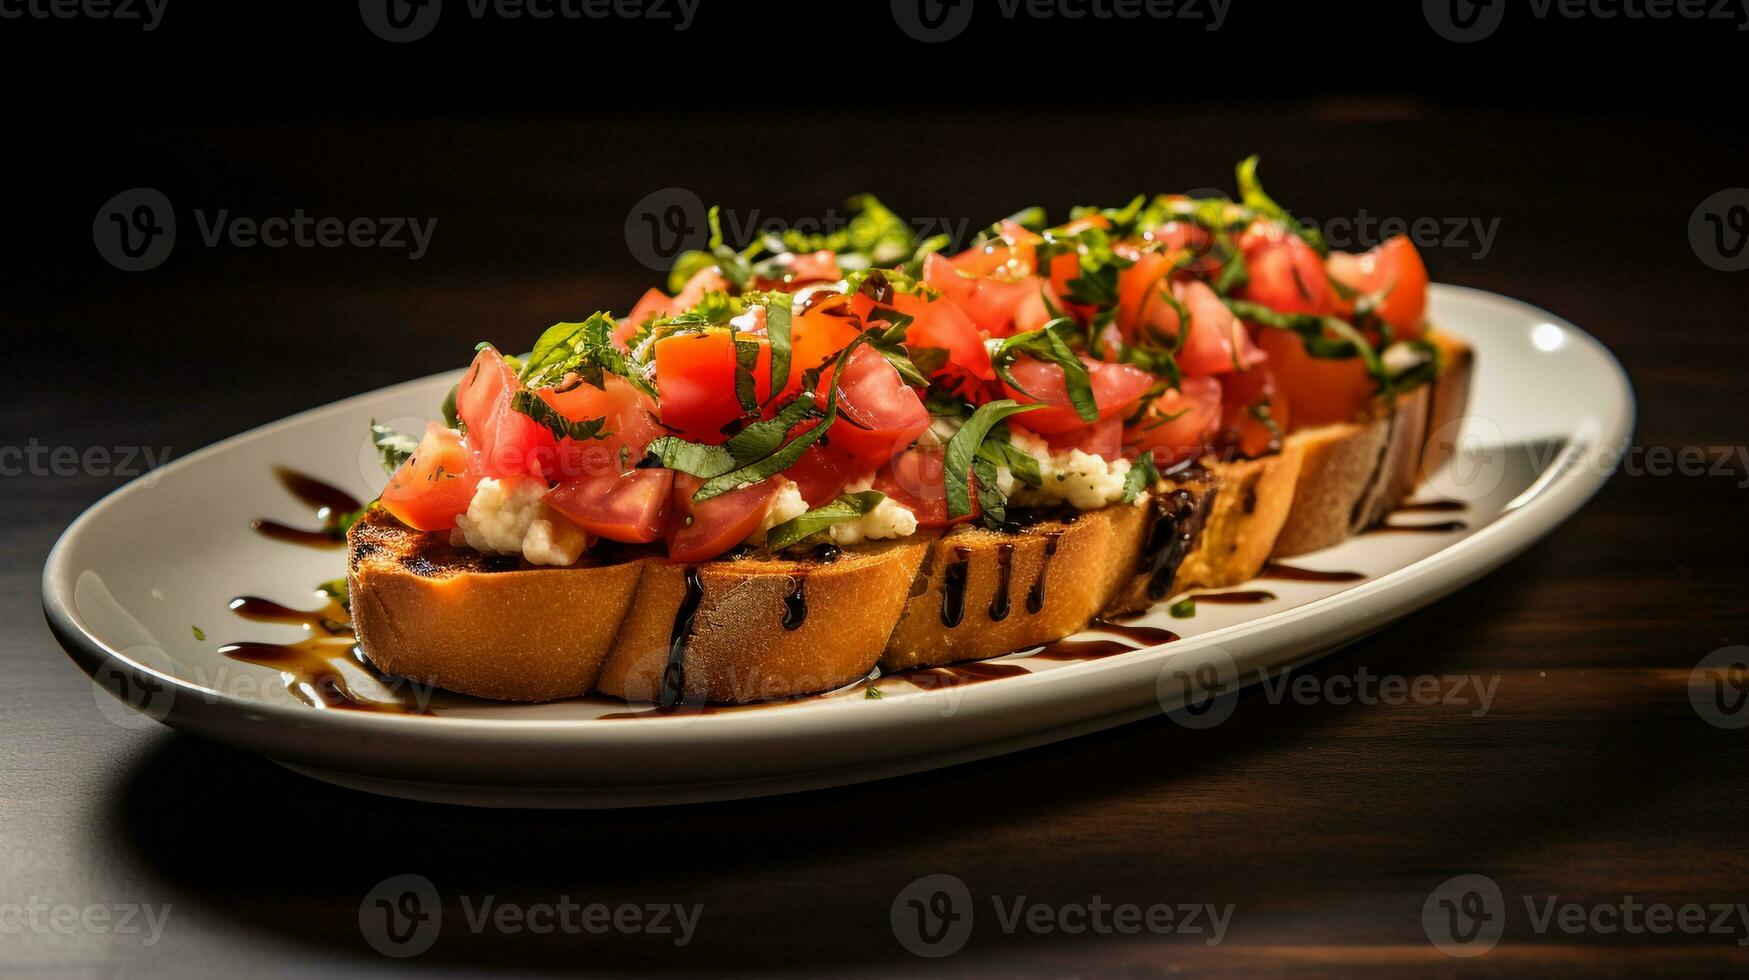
(1245, 396)
(1218, 342)
(631, 425)
(917, 481)
(940, 272)
(653, 303)
(699, 532)
(822, 471)
(1319, 390)
(820, 266)
(626, 507)
(1034, 310)
(990, 301)
(1010, 256)
(1103, 439)
(1139, 300)
(878, 414)
(815, 338)
(695, 382)
(435, 484)
(1394, 269)
(1286, 275)
(1115, 388)
(1178, 424)
(509, 442)
(936, 323)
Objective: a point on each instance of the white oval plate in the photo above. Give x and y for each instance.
(130, 579)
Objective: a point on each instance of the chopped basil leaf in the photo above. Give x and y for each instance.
(782, 459)
(1001, 452)
(777, 332)
(746, 359)
(763, 437)
(700, 460)
(1347, 342)
(962, 449)
(531, 405)
(765, 468)
(199, 634)
(847, 507)
(1141, 477)
(872, 693)
(394, 447)
(450, 416)
(1183, 609)
(1046, 344)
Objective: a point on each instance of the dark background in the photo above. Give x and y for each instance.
(1590, 141)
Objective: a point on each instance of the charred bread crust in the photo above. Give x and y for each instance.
(762, 627)
(984, 593)
(466, 622)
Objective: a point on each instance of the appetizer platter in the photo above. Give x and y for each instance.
(887, 507)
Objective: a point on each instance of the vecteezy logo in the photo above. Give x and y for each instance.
(932, 916)
(1198, 688)
(401, 916)
(932, 20)
(1464, 20)
(400, 21)
(665, 223)
(135, 230)
(1719, 230)
(132, 701)
(1718, 687)
(1465, 916)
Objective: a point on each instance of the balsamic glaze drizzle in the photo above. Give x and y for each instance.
(953, 588)
(1004, 574)
(1035, 596)
(674, 674)
(795, 604)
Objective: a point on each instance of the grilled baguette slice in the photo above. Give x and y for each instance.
(498, 628)
(750, 629)
(456, 619)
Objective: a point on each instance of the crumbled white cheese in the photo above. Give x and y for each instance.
(1079, 479)
(787, 505)
(499, 515)
(506, 518)
(888, 519)
(553, 541)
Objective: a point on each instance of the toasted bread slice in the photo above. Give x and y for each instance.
(750, 629)
(984, 594)
(472, 623)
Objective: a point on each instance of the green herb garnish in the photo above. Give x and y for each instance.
(847, 507)
(393, 446)
(531, 405)
(962, 449)
(1183, 608)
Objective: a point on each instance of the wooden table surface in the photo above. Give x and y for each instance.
(1324, 826)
